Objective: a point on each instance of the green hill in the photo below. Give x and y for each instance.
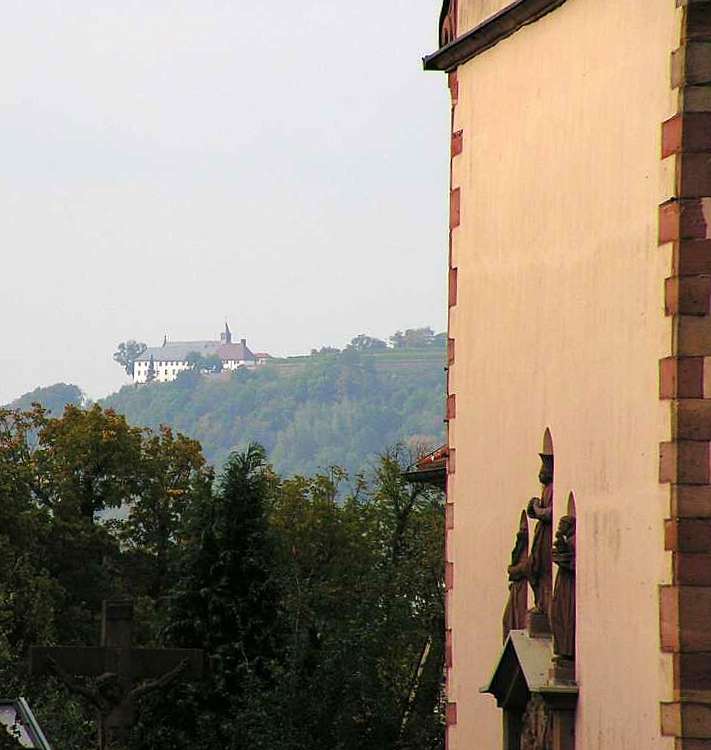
(54, 398)
(309, 412)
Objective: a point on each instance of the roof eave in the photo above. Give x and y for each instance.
(488, 33)
(436, 476)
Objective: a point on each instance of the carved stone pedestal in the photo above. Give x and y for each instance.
(563, 671)
(539, 709)
(537, 624)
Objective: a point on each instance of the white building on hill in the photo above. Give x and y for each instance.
(169, 360)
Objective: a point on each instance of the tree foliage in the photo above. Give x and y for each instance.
(91, 456)
(151, 371)
(318, 600)
(415, 338)
(363, 343)
(362, 586)
(204, 363)
(127, 352)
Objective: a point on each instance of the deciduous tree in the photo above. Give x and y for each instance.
(91, 460)
(363, 343)
(127, 352)
(171, 475)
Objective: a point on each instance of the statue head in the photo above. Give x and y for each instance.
(521, 544)
(108, 685)
(566, 526)
(564, 544)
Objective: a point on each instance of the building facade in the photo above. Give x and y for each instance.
(579, 301)
(163, 364)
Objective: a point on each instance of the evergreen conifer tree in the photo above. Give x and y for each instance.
(151, 373)
(227, 603)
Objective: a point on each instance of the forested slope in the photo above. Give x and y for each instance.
(53, 397)
(308, 412)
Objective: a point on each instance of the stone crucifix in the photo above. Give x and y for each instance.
(119, 673)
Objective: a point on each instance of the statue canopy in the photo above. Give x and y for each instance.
(525, 668)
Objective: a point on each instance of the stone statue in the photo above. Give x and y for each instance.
(540, 560)
(114, 675)
(114, 701)
(563, 606)
(537, 725)
(517, 604)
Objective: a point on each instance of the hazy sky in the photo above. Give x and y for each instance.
(165, 165)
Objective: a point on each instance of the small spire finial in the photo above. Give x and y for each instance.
(547, 444)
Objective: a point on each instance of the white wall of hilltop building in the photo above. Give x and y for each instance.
(164, 371)
(169, 370)
(173, 357)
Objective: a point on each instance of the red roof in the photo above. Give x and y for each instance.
(433, 460)
(234, 352)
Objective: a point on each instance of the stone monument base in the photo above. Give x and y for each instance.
(537, 624)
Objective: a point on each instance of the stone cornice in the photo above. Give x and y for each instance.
(488, 33)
